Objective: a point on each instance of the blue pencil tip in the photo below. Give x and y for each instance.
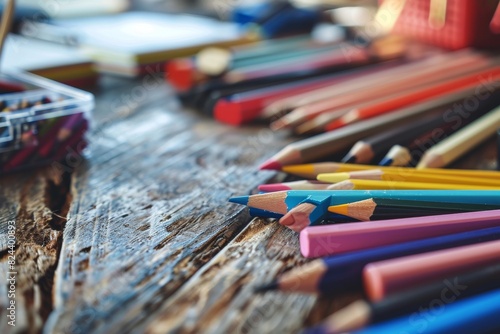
(243, 200)
(385, 162)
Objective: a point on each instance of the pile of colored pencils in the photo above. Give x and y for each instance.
(409, 251)
(391, 231)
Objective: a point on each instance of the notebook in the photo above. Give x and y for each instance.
(50, 60)
(127, 43)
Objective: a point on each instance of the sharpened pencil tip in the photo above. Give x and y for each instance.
(267, 287)
(243, 200)
(385, 162)
(271, 164)
(349, 159)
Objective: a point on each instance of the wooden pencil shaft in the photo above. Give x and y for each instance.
(332, 142)
(421, 78)
(404, 134)
(439, 89)
(202, 92)
(454, 120)
(374, 78)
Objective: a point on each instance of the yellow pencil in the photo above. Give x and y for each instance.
(408, 176)
(311, 171)
(390, 185)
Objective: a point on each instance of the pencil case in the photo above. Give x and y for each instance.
(42, 123)
(452, 24)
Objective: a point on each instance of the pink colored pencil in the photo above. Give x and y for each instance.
(387, 277)
(317, 241)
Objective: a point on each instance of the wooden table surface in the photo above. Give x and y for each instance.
(139, 237)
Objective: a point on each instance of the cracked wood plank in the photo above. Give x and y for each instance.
(37, 203)
(220, 297)
(149, 210)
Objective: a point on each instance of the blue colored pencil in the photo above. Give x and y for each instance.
(281, 202)
(479, 314)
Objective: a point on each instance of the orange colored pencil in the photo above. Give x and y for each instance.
(453, 68)
(418, 95)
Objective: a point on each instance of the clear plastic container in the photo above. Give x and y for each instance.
(46, 123)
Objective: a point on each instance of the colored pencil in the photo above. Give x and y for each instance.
(381, 208)
(183, 73)
(343, 272)
(438, 90)
(245, 106)
(282, 202)
(316, 241)
(386, 277)
(333, 64)
(366, 149)
(317, 124)
(462, 141)
(408, 176)
(452, 289)
(311, 171)
(396, 185)
(391, 86)
(429, 92)
(412, 152)
(215, 61)
(398, 155)
(332, 142)
(478, 314)
(359, 83)
(295, 185)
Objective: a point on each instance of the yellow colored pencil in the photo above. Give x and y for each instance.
(390, 185)
(311, 171)
(407, 176)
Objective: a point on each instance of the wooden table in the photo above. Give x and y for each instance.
(140, 237)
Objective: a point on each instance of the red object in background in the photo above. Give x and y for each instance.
(467, 23)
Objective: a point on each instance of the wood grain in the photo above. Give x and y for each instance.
(38, 203)
(149, 210)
